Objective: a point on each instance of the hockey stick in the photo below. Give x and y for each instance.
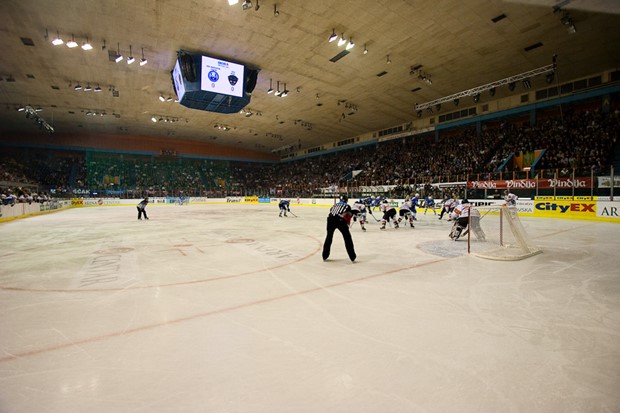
(370, 210)
(295, 216)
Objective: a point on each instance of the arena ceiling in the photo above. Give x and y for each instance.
(457, 44)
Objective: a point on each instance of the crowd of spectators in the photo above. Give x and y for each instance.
(572, 140)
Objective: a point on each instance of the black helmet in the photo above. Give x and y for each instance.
(344, 198)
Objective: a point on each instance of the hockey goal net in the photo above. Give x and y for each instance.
(498, 234)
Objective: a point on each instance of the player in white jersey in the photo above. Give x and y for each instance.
(405, 212)
(464, 215)
(389, 212)
(510, 198)
(359, 213)
(448, 206)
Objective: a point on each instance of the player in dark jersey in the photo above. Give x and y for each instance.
(284, 206)
(338, 219)
(142, 208)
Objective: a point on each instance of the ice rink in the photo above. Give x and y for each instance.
(229, 308)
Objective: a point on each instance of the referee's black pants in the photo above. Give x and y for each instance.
(340, 224)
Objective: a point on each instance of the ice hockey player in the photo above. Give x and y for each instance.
(142, 208)
(284, 206)
(359, 213)
(510, 198)
(338, 219)
(448, 205)
(405, 212)
(415, 204)
(375, 203)
(389, 212)
(429, 203)
(464, 215)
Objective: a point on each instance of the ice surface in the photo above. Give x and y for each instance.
(229, 308)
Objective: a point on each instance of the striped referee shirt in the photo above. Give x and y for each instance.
(339, 209)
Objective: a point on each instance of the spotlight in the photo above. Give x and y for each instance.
(419, 113)
(86, 45)
(550, 77)
(285, 92)
(88, 88)
(278, 93)
(72, 43)
(130, 59)
(143, 61)
(350, 45)
(333, 36)
(169, 99)
(78, 87)
(21, 109)
(492, 91)
(57, 41)
(388, 61)
(456, 101)
(119, 56)
(438, 107)
(270, 86)
(476, 98)
(247, 4)
(162, 98)
(276, 12)
(97, 89)
(342, 40)
(511, 86)
(365, 50)
(527, 84)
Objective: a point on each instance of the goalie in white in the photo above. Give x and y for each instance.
(464, 215)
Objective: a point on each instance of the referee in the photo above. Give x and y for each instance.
(339, 218)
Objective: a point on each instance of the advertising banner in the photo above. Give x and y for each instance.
(559, 183)
(565, 209)
(608, 210)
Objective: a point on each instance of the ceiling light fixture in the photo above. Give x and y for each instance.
(388, 60)
(276, 12)
(365, 49)
(333, 36)
(143, 61)
(285, 91)
(169, 99)
(476, 98)
(86, 45)
(162, 98)
(119, 56)
(342, 40)
(88, 88)
(350, 45)
(153, 119)
(233, 2)
(72, 43)
(97, 89)
(130, 59)
(78, 87)
(278, 93)
(57, 41)
(270, 86)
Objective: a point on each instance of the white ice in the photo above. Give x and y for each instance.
(229, 308)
